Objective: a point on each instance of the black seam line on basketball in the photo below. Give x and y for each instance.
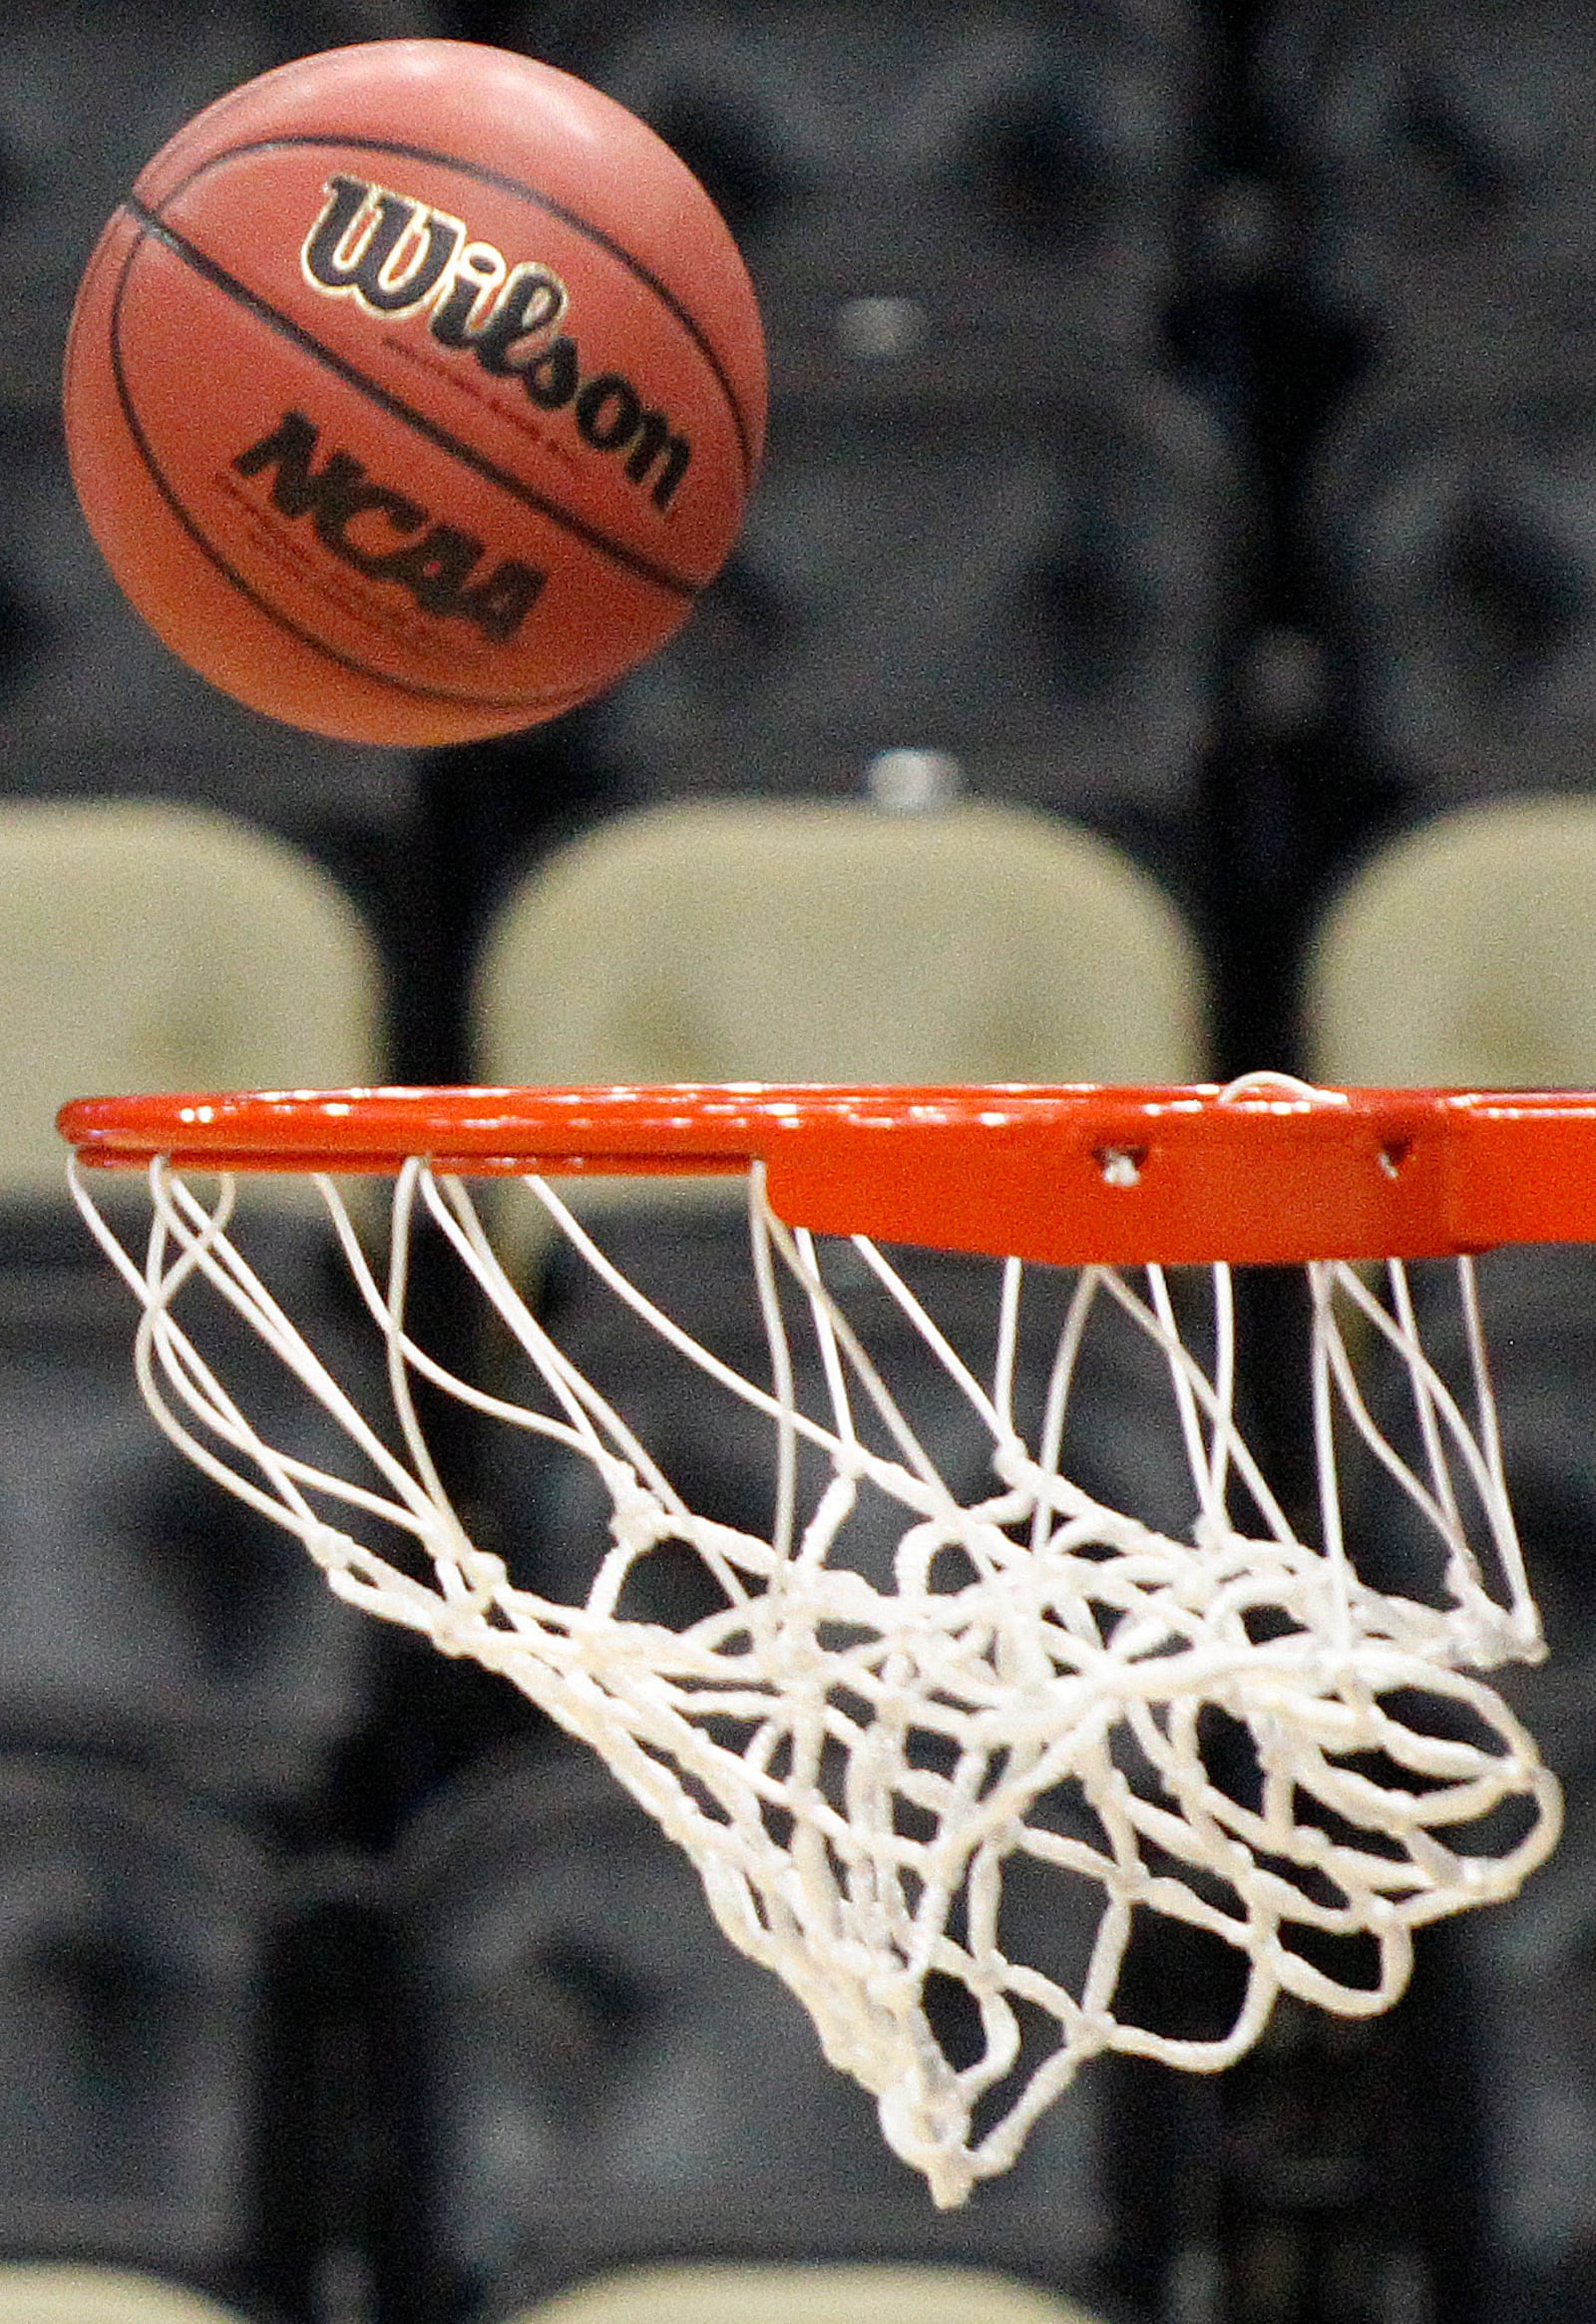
(548, 700)
(507, 185)
(659, 575)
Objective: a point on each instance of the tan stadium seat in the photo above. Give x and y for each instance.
(150, 945)
(40, 2294)
(745, 941)
(752, 2292)
(740, 940)
(1463, 954)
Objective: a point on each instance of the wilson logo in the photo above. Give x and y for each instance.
(387, 536)
(397, 257)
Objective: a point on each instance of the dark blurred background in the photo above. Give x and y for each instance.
(1184, 433)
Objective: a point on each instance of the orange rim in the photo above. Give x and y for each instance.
(1258, 1173)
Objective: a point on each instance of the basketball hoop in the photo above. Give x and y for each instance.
(854, 1759)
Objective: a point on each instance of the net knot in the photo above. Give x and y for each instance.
(1213, 1530)
(333, 1551)
(1011, 1463)
(638, 1519)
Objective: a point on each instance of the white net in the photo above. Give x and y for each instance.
(1227, 1729)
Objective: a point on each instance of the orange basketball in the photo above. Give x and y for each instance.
(414, 392)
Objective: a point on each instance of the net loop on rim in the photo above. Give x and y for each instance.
(867, 1759)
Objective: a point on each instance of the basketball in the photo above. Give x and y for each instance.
(414, 392)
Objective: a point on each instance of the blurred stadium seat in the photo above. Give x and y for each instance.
(92, 704)
(1441, 159)
(1042, 595)
(133, 1942)
(606, 2085)
(1480, 922)
(1448, 521)
(77, 126)
(941, 200)
(1481, 919)
(991, 529)
(142, 1613)
(727, 2294)
(146, 945)
(35, 2292)
(738, 940)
